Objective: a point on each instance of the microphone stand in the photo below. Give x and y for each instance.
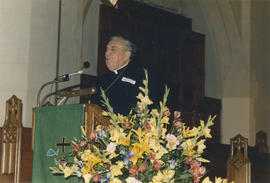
(42, 87)
(59, 79)
(62, 78)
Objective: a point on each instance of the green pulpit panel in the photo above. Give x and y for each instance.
(54, 129)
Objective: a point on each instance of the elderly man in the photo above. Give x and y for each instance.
(121, 84)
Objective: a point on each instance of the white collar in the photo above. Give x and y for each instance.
(116, 71)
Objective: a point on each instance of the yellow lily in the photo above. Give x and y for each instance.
(188, 148)
(201, 146)
(190, 133)
(116, 169)
(125, 141)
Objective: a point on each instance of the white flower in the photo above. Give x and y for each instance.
(132, 180)
(111, 147)
(173, 142)
(87, 178)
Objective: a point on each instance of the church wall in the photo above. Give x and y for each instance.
(90, 37)
(14, 49)
(260, 52)
(231, 25)
(235, 121)
(27, 48)
(231, 38)
(42, 53)
(70, 43)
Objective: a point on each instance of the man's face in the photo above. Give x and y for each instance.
(115, 55)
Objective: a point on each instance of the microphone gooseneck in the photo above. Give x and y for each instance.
(66, 77)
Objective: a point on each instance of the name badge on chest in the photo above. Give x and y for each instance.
(131, 81)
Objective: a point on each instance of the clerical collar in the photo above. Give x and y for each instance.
(116, 71)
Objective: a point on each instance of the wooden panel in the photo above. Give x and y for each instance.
(27, 156)
(192, 71)
(93, 117)
(210, 106)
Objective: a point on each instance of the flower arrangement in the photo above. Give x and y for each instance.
(139, 148)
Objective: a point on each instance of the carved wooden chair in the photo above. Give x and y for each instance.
(238, 164)
(10, 142)
(261, 142)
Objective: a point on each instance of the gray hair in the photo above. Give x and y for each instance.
(128, 45)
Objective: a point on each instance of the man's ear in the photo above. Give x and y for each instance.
(127, 55)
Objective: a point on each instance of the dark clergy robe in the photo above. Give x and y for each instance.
(122, 91)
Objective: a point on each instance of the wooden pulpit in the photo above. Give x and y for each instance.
(55, 127)
(92, 117)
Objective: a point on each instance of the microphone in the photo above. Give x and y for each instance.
(85, 65)
(66, 77)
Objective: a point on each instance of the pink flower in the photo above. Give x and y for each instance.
(156, 165)
(171, 138)
(152, 156)
(167, 113)
(133, 170)
(189, 161)
(196, 164)
(100, 128)
(111, 147)
(82, 143)
(202, 170)
(196, 179)
(173, 142)
(63, 164)
(76, 147)
(176, 114)
(127, 125)
(143, 167)
(96, 178)
(92, 136)
(111, 127)
(178, 124)
(147, 127)
(197, 171)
